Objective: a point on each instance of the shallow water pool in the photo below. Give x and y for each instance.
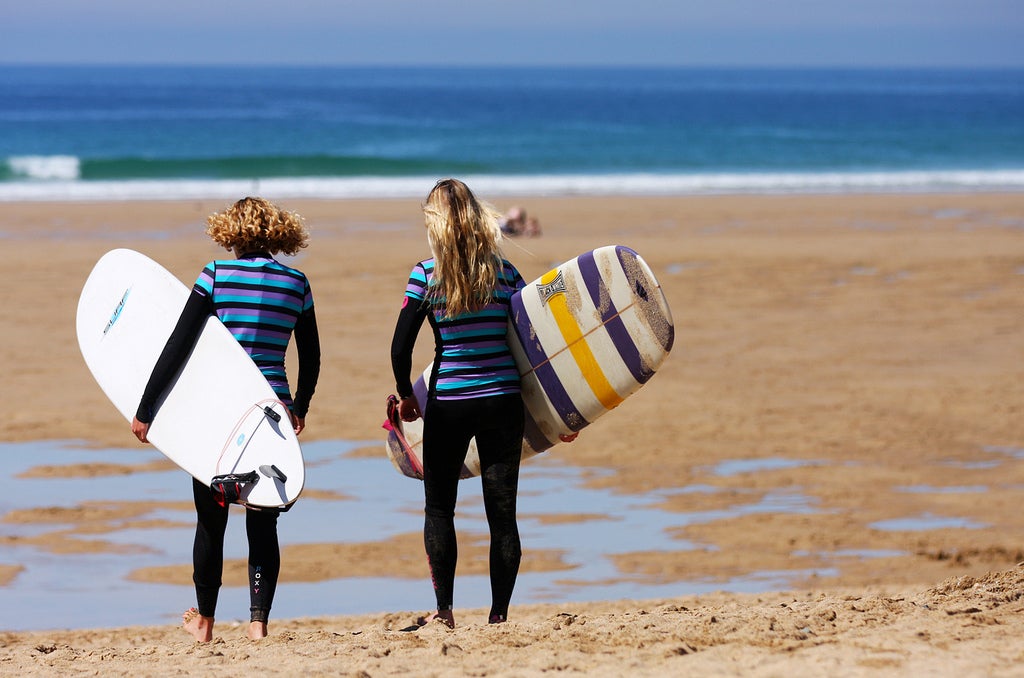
(91, 589)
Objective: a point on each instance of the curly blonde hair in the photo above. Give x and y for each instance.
(463, 233)
(257, 225)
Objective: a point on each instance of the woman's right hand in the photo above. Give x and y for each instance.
(409, 409)
(140, 430)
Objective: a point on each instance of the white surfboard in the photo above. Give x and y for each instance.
(585, 336)
(219, 416)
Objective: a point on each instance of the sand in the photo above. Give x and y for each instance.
(865, 349)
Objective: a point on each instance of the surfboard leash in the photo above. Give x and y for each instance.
(227, 488)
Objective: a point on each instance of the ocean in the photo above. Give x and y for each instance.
(124, 132)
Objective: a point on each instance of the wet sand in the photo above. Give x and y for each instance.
(862, 351)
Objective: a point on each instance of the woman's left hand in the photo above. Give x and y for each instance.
(298, 423)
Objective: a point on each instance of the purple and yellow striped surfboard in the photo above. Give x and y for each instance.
(586, 335)
(589, 334)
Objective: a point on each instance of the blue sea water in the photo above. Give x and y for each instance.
(101, 132)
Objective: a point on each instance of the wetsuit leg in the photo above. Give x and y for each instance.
(499, 443)
(445, 443)
(264, 561)
(208, 548)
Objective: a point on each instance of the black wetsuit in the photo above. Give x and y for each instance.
(474, 392)
(245, 294)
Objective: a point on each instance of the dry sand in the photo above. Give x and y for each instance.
(872, 343)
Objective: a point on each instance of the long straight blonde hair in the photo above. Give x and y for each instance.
(463, 233)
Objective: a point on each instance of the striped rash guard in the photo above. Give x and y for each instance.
(261, 302)
(471, 357)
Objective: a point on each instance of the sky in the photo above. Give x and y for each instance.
(699, 33)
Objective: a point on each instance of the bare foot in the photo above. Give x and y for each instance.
(446, 617)
(199, 626)
(257, 630)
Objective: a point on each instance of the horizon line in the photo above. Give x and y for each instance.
(524, 66)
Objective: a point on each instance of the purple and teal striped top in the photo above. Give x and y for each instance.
(472, 358)
(259, 300)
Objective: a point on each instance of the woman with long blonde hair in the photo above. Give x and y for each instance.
(464, 290)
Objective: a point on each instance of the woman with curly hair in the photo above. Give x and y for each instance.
(464, 290)
(262, 302)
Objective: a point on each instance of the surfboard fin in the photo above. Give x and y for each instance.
(641, 291)
(271, 471)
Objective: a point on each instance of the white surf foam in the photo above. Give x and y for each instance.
(61, 187)
(45, 167)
